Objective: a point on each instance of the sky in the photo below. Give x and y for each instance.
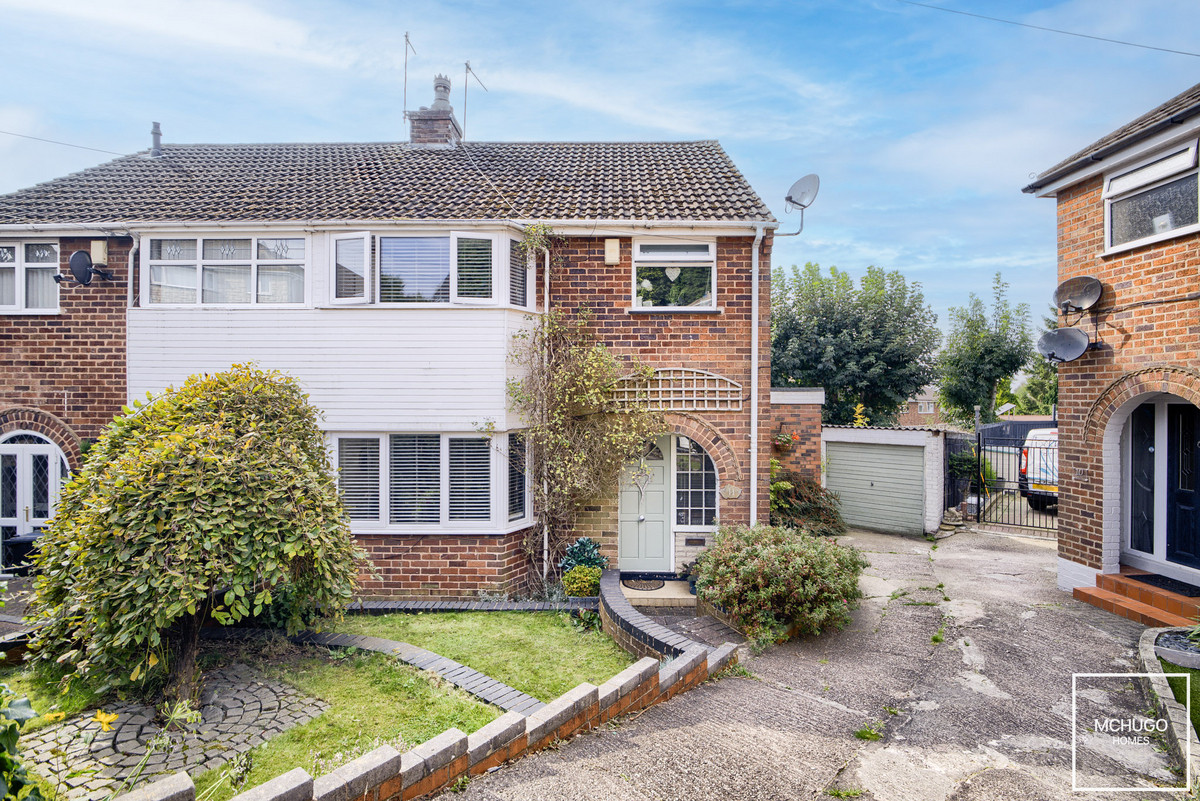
(923, 125)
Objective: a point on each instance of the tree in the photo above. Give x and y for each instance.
(216, 501)
(980, 353)
(872, 344)
(1039, 393)
(579, 433)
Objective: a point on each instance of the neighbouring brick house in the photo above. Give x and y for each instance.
(384, 276)
(1127, 418)
(923, 410)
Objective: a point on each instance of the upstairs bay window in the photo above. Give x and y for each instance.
(226, 271)
(1153, 200)
(27, 271)
(671, 274)
(456, 268)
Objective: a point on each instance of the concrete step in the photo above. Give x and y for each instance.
(1126, 607)
(1172, 602)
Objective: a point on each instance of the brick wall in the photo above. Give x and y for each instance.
(717, 343)
(63, 374)
(911, 417)
(1147, 349)
(804, 455)
(460, 566)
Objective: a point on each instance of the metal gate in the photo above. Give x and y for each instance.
(1016, 480)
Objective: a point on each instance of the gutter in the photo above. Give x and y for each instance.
(755, 358)
(1111, 148)
(593, 226)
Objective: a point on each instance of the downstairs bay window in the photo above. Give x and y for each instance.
(427, 481)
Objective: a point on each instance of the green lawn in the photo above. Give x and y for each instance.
(1177, 687)
(538, 653)
(373, 700)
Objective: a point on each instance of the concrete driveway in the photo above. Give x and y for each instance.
(983, 714)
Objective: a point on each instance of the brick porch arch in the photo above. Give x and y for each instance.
(1102, 431)
(1153, 379)
(692, 426)
(54, 428)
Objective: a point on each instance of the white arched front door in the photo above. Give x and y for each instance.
(32, 469)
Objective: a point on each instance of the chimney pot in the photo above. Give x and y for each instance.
(155, 140)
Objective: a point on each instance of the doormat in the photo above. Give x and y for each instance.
(654, 584)
(1168, 584)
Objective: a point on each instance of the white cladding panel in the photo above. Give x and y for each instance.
(367, 369)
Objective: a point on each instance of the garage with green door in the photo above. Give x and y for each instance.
(881, 484)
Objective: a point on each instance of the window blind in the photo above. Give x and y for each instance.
(474, 268)
(518, 275)
(470, 479)
(358, 477)
(416, 478)
(414, 269)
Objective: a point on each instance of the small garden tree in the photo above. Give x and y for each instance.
(579, 434)
(215, 500)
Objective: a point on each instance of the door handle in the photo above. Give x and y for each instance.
(26, 514)
(641, 518)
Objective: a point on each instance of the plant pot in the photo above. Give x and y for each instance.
(780, 447)
(1176, 648)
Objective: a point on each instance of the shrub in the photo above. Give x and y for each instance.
(801, 502)
(963, 466)
(582, 581)
(215, 500)
(770, 578)
(584, 551)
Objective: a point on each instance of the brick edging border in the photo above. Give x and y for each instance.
(1155, 686)
(414, 606)
(632, 630)
(385, 774)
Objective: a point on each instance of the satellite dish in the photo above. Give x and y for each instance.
(803, 192)
(1077, 294)
(81, 266)
(1063, 344)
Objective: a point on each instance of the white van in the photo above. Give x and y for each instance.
(1039, 469)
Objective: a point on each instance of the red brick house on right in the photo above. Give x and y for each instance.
(1129, 458)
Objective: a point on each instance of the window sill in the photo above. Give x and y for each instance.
(434, 532)
(1125, 247)
(672, 310)
(30, 312)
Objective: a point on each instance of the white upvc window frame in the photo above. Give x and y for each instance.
(1167, 165)
(530, 276)
(499, 283)
(683, 260)
(497, 521)
(527, 498)
(370, 288)
(147, 264)
(20, 266)
(688, 528)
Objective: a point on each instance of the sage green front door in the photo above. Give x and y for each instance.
(644, 514)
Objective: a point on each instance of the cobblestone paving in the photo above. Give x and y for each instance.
(240, 709)
(706, 629)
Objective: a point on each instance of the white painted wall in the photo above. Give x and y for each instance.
(381, 369)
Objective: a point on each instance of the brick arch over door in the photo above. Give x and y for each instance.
(729, 467)
(24, 418)
(1102, 431)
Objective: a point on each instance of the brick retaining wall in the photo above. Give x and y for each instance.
(385, 774)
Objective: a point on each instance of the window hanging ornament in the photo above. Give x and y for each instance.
(672, 273)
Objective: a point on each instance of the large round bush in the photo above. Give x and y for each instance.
(211, 502)
(771, 579)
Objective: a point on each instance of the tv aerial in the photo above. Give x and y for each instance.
(801, 196)
(1063, 344)
(1078, 294)
(83, 270)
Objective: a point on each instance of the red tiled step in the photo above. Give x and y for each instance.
(1168, 601)
(1128, 608)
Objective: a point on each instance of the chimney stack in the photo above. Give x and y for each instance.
(435, 125)
(155, 141)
